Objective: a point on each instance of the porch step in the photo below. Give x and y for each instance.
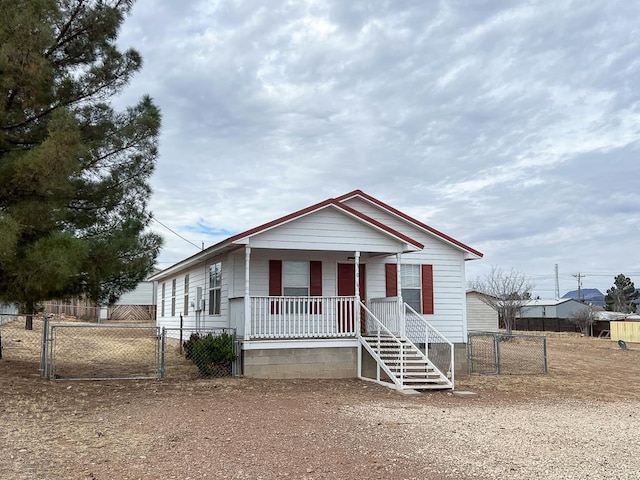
(413, 371)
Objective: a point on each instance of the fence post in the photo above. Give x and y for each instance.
(544, 349)
(163, 352)
(497, 340)
(44, 346)
(181, 327)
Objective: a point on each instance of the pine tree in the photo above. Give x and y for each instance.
(621, 297)
(74, 173)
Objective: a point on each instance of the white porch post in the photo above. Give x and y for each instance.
(400, 300)
(356, 321)
(247, 299)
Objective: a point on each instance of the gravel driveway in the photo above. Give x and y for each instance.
(581, 421)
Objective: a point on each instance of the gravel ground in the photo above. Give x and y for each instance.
(578, 422)
(568, 440)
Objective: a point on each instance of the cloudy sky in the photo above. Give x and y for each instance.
(511, 126)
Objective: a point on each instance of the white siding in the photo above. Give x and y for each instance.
(480, 316)
(198, 277)
(259, 269)
(326, 230)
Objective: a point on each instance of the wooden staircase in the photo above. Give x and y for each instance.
(402, 365)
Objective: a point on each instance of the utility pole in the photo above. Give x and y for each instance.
(579, 277)
(557, 284)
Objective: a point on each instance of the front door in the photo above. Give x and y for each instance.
(347, 288)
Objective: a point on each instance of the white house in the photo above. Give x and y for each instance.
(347, 287)
(480, 316)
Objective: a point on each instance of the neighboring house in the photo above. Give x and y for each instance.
(480, 316)
(333, 290)
(138, 305)
(562, 308)
(8, 309)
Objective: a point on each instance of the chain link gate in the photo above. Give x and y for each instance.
(499, 353)
(83, 351)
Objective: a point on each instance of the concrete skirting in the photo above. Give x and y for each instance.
(325, 362)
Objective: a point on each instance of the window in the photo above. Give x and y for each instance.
(186, 294)
(411, 286)
(162, 300)
(295, 279)
(173, 297)
(215, 288)
(417, 285)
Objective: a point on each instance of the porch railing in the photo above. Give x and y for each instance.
(387, 310)
(303, 317)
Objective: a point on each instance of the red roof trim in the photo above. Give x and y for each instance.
(278, 221)
(424, 226)
(380, 225)
(318, 206)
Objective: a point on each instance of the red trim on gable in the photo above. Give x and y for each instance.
(280, 220)
(378, 224)
(395, 211)
(318, 206)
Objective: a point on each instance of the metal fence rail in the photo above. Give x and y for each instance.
(499, 353)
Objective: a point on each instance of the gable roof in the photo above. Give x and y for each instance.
(549, 302)
(236, 241)
(409, 219)
(331, 203)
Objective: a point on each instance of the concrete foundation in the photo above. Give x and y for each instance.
(327, 362)
(324, 362)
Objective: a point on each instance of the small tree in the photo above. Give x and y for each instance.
(584, 318)
(505, 292)
(621, 297)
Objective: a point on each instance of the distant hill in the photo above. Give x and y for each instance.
(590, 295)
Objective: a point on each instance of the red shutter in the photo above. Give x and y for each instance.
(315, 279)
(315, 285)
(275, 283)
(391, 279)
(427, 289)
(275, 278)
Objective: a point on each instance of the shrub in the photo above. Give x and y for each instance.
(211, 354)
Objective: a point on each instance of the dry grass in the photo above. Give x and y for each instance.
(187, 427)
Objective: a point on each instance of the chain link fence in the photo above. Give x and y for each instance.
(84, 351)
(499, 353)
(191, 352)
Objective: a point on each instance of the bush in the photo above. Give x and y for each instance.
(212, 355)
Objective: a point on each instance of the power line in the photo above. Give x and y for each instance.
(175, 233)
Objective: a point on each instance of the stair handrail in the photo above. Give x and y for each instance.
(389, 333)
(409, 312)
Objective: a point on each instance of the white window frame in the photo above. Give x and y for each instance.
(174, 286)
(164, 287)
(186, 294)
(296, 277)
(215, 288)
(408, 276)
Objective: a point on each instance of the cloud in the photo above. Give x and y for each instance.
(512, 127)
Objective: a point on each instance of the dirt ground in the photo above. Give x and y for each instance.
(578, 421)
